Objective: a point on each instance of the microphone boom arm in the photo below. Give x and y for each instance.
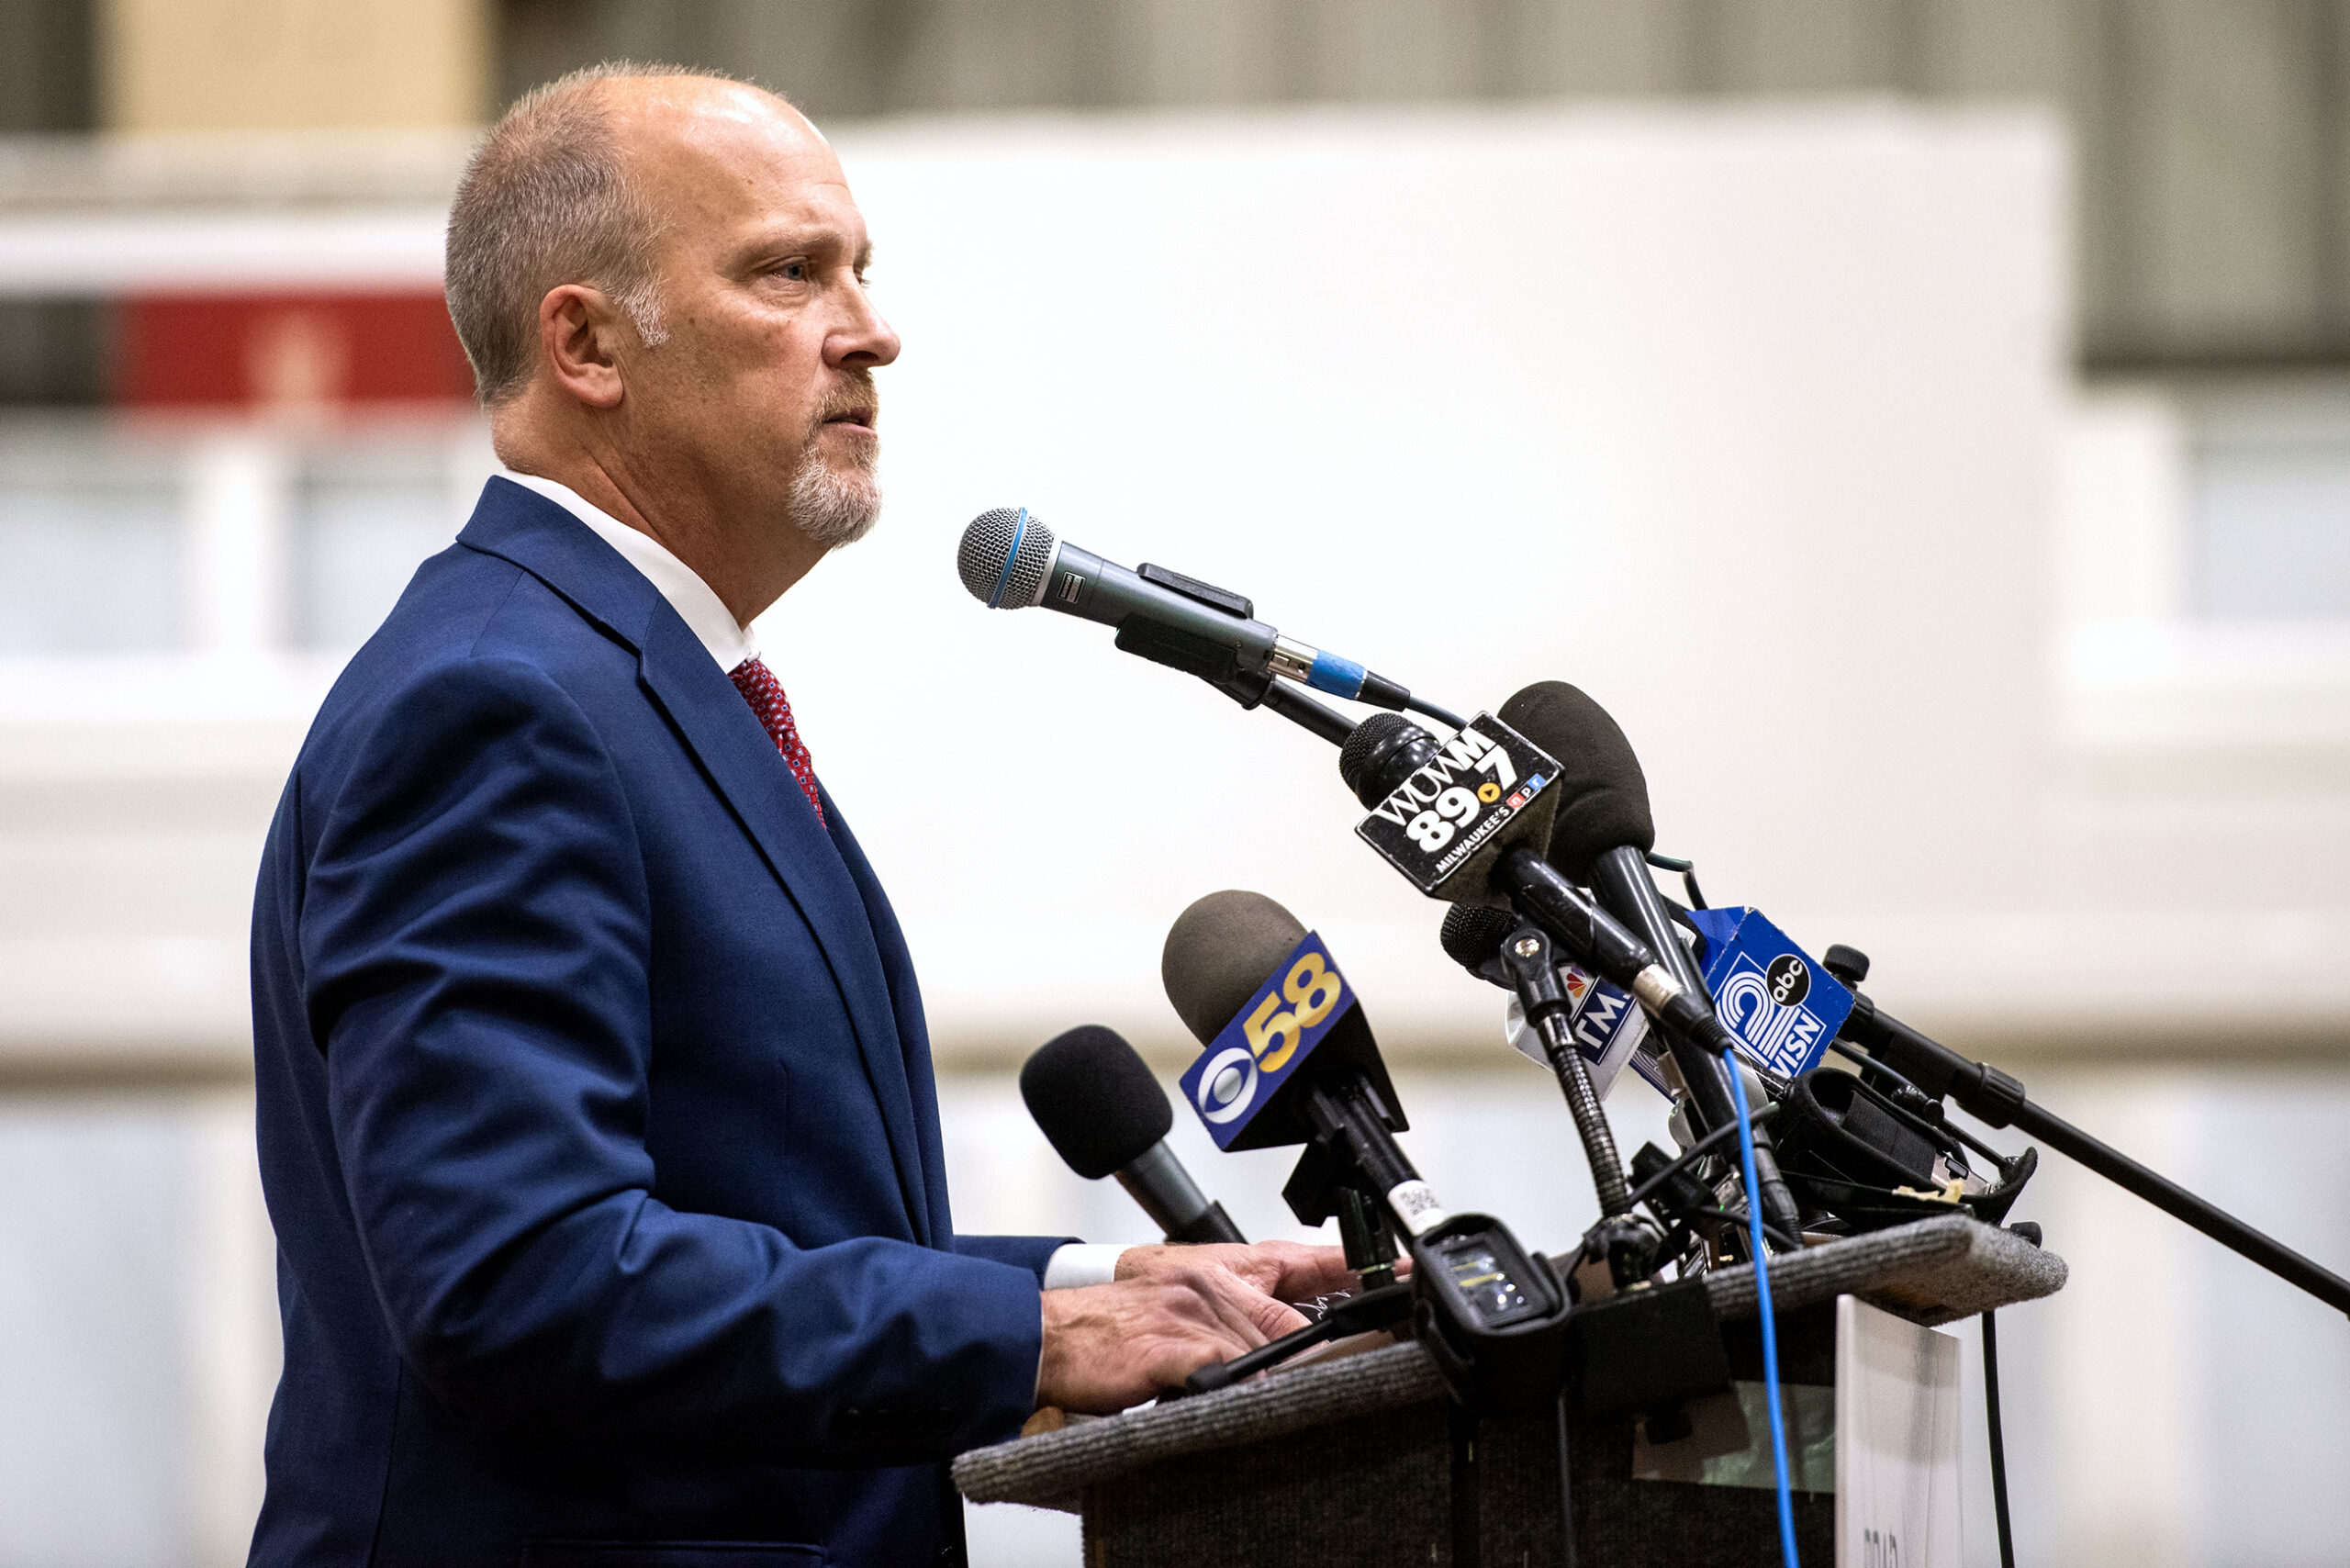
(1998, 1100)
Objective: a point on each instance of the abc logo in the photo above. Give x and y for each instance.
(1789, 979)
(1226, 1086)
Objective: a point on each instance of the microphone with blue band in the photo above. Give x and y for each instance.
(1010, 560)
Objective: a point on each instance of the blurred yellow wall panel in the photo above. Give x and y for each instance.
(169, 65)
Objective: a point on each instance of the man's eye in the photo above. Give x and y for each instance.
(796, 270)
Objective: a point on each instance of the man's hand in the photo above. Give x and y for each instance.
(1285, 1271)
(1107, 1347)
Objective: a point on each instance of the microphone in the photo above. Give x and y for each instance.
(1104, 1114)
(1010, 560)
(1264, 995)
(1443, 813)
(1602, 836)
(1390, 763)
(1286, 1058)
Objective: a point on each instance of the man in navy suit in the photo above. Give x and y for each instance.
(596, 1110)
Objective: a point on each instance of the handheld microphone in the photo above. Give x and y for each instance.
(1103, 1113)
(1010, 560)
(1244, 974)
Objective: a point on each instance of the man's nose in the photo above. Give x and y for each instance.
(863, 338)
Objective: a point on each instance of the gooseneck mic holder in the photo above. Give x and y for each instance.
(1527, 958)
(1628, 1246)
(1998, 1100)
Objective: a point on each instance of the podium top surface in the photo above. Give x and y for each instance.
(1934, 1271)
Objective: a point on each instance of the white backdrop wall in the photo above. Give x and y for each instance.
(1744, 423)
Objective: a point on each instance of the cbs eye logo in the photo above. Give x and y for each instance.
(1228, 1085)
(1228, 1082)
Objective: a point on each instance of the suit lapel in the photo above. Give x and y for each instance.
(725, 736)
(741, 757)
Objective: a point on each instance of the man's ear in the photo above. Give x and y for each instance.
(579, 328)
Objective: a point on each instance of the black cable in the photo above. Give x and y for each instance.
(1451, 721)
(1302, 710)
(1468, 1540)
(1697, 1151)
(1999, 1441)
(1566, 1489)
(1788, 1243)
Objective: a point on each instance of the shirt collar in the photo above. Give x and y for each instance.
(697, 604)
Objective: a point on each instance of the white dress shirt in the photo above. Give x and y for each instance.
(695, 602)
(730, 642)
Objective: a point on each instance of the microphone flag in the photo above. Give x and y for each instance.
(1238, 1074)
(1783, 1007)
(1608, 1028)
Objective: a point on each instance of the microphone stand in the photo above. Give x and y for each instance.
(1999, 1100)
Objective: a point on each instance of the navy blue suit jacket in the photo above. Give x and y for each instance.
(597, 1119)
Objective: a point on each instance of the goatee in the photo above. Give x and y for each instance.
(834, 509)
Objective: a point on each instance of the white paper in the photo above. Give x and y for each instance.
(1897, 1441)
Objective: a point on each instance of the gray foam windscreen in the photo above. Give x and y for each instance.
(1003, 560)
(1219, 951)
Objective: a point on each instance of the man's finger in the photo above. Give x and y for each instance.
(1223, 1299)
(1310, 1272)
(1266, 1317)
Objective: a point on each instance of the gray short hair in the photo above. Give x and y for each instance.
(545, 201)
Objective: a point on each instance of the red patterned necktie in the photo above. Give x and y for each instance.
(765, 694)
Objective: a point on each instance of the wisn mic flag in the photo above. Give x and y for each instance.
(1783, 1007)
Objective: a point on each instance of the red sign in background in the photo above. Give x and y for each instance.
(287, 351)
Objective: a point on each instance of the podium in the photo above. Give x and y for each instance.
(1363, 1460)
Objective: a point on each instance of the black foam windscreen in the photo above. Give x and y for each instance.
(1219, 951)
(1370, 744)
(1603, 795)
(1099, 1106)
(1473, 933)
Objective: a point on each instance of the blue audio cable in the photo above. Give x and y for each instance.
(1763, 1304)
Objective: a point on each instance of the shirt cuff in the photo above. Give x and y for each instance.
(1077, 1264)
